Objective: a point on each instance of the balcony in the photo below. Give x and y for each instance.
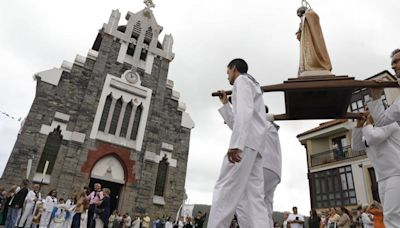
(335, 155)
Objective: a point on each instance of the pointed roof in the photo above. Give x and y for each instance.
(323, 126)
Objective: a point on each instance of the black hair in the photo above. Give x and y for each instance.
(344, 210)
(25, 182)
(301, 11)
(52, 190)
(314, 213)
(240, 65)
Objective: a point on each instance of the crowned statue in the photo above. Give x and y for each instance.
(314, 57)
(149, 3)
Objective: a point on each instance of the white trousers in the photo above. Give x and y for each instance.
(45, 219)
(271, 181)
(238, 181)
(98, 223)
(389, 190)
(26, 217)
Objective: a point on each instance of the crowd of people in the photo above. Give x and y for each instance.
(367, 216)
(157, 221)
(25, 206)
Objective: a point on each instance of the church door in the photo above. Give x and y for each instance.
(114, 187)
(110, 173)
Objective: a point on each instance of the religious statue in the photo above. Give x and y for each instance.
(149, 3)
(314, 57)
(108, 172)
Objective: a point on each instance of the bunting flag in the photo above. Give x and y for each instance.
(10, 116)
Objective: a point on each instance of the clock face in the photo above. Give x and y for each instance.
(132, 77)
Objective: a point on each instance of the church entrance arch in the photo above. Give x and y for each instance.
(110, 173)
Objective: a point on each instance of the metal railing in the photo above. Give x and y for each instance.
(334, 155)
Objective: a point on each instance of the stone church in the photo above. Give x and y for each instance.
(110, 117)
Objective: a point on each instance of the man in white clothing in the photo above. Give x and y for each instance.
(241, 174)
(295, 220)
(31, 200)
(127, 220)
(384, 117)
(272, 162)
(136, 222)
(382, 145)
(180, 222)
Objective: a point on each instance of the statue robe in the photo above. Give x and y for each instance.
(313, 53)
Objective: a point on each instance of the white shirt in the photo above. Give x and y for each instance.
(366, 221)
(249, 125)
(272, 157)
(292, 217)
(384, 117)
(136, 223)
(31, 196)
(284, 224)
(168, 225)
(50, 203)
(127, 221)
(383, 148)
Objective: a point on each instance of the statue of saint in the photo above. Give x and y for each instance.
(314, 57)
(149, 3)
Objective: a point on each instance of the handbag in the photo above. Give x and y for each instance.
(98, 210)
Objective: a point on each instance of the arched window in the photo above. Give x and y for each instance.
(148, 36)
(161, 176)
(137, 29)
(143, 54)
(136, 122)
(131, 49)
(122, 28)
(97, 42)
(125, 121)
(50, 151)
(115, 116)
(104, 115)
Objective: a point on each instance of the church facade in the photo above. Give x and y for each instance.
(111, 117)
